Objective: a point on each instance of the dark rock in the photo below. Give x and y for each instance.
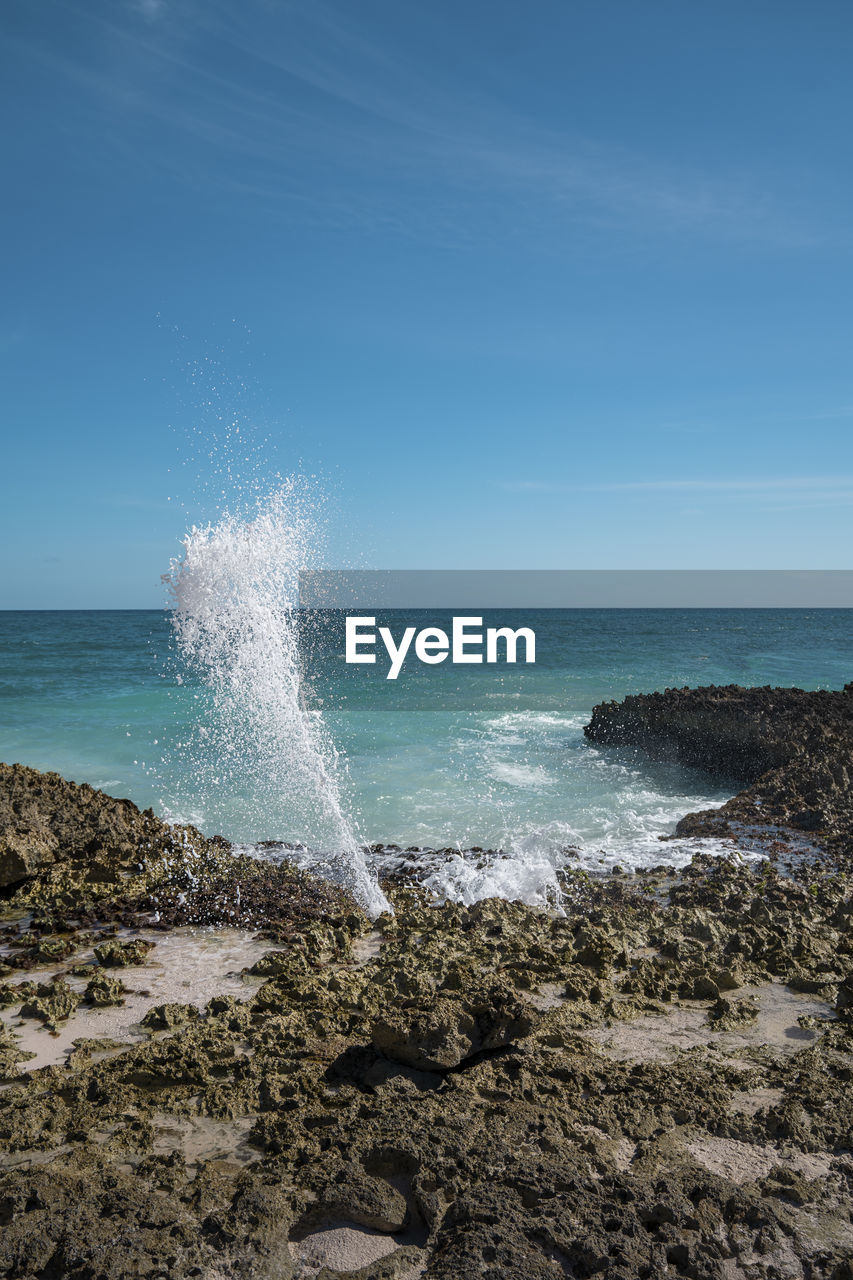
(792, 750)
(355, 1196)
(844, 1001)
(705, 988)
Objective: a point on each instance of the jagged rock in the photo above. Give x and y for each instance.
(728, 979)
(49, 950)
(703, 988)
(103, 991)
(119, 953)
(844, 1000)
(52, 1003)
(45, 820)
(355, 1196)
(617, 1136)
(11, 1054)
(442, 1033)
(15, 993)
(792, 748)
(730, 1015)
(71, 849)
(729, 730)
(272, 965)
(165, 1016)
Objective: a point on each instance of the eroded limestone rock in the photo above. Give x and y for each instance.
(440, 1033)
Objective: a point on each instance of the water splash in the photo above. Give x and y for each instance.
(261, 752)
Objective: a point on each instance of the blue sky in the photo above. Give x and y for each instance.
(563, 285)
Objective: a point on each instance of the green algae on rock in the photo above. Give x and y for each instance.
(104, 990)
(46, 822)
(120, 953)
(51, 1003)
(110, 863)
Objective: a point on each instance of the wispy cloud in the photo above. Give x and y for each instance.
(477, 144)
(307, 106)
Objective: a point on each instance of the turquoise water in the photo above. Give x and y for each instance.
(490, 756)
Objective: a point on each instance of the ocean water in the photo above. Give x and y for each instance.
(489, 757)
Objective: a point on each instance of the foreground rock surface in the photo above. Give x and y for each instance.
(654, 1084)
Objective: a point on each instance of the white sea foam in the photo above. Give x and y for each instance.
(260, 747)
(520, 775)
(533, 869)
(467, 879)
(541, 720)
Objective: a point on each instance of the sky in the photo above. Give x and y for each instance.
(553, 285)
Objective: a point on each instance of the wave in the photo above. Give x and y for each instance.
(520, 775)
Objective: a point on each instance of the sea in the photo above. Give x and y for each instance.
(246, 721)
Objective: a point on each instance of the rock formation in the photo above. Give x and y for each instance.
(790, 750)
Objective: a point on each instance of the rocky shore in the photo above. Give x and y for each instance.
(790, 751)
(655, 1083)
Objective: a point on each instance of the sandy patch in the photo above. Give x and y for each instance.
(548, 995)
(341, 1247)
(201, 1138)
(742, 1162)
(659, 1037)
(750, 1101)
(366, 949)
(187, 966)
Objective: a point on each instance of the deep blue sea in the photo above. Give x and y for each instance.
(489, 756)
